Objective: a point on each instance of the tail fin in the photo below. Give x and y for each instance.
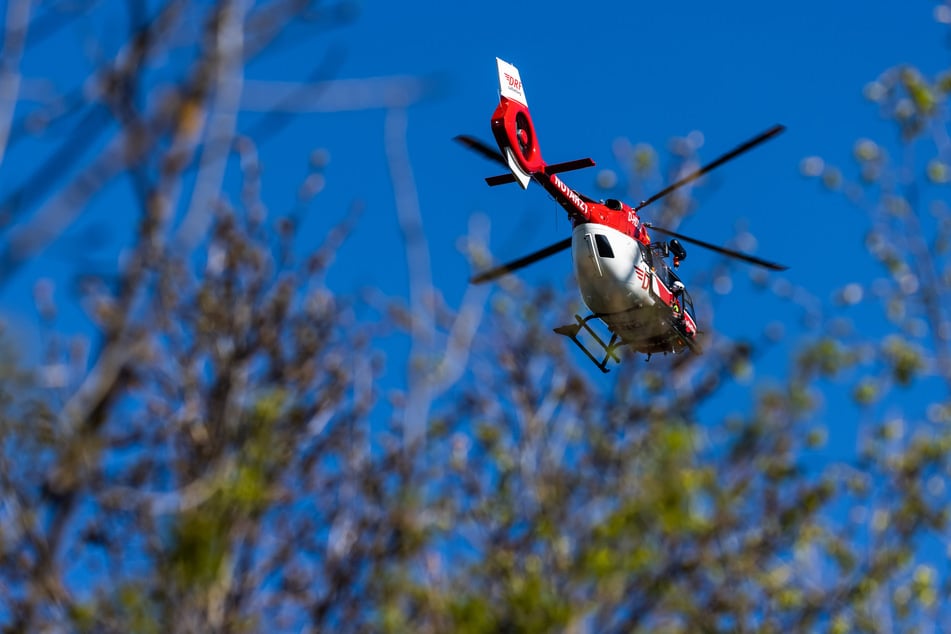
(510, 83)
(513, 128)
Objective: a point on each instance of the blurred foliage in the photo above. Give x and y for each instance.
(220, 454)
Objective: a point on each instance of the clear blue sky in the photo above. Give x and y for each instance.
(647, 71)
(597, 71)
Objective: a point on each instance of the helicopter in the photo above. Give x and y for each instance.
(624, 277)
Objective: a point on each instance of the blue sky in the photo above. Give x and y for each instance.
(593, 72)
(644, 71)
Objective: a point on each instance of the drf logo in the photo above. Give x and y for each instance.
(643, 277)
(513, 82)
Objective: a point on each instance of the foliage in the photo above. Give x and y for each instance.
(216, 453)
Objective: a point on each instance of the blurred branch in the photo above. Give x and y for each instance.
(228, 79)
(338, 95)
(14, 42)
(49, 221)
(422, 317)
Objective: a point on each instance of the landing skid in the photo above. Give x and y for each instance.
(571, 331)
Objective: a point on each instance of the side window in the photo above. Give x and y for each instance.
(661, 269)
(688, 303)
(604, 247)
(646, 254)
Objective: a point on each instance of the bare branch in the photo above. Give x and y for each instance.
(14, 43)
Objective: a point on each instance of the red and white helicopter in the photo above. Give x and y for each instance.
(623, 276)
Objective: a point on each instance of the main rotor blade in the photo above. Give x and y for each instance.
(740, 149)
(746, 257)
(514, 265)
(480, 147)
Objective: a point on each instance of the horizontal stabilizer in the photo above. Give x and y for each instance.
(556, 168)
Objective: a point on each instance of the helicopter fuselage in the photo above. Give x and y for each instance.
(628, 286)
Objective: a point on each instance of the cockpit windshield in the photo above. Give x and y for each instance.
(661, 269)
(687, 303)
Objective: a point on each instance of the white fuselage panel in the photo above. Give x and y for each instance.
(612, 274)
